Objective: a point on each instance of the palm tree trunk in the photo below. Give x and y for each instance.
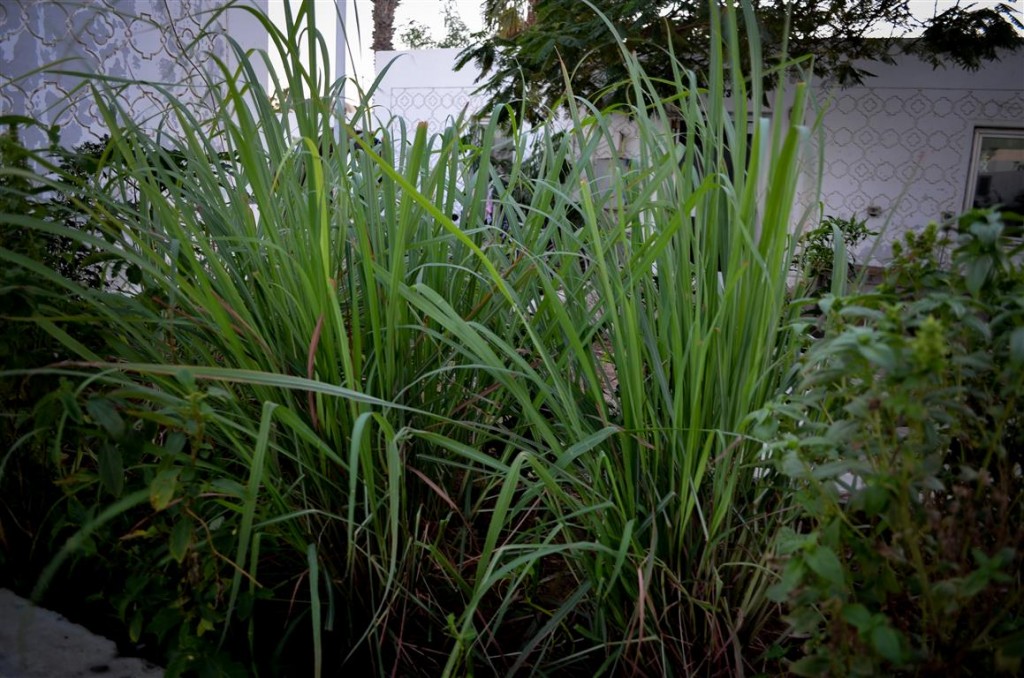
(384, 24)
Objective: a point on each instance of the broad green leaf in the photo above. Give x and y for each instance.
(135, 628)
(978, 270)
(229, 486)
(175, 442)
(812, 666)
(790, 541)
(180, 539)
(792, 465)
(873, 500)
(792, 576)
(185, 378)
(823, 562)
(1017, 346)
(105, 414)
(111, 468)
(886, 642)
(161, 490)
(880, 354)
(857, 616)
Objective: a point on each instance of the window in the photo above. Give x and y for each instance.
(997, 170)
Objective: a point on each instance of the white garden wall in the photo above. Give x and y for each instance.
(149, 40)
(901, 143)
(423, 86)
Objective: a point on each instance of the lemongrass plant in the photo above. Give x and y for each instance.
(447, 447)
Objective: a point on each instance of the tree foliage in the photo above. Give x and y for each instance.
(456, 34)
(506, 18)
(529, 41)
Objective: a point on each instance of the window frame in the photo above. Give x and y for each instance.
(981, 132)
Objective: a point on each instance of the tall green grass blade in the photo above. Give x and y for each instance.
(245, 536)
(315, 612)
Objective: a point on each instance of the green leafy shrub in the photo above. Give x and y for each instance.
(27, 194)
(904, 442)
(24, 345)
(819, 249)
(163, 557)
(76, 447)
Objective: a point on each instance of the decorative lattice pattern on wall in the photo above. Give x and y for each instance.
(905, 151)
(437, 106)
(159, 41)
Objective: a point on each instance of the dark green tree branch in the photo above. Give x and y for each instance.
(528, 41)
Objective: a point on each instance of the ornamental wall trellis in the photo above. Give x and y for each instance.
(906, 151)
(159, 41)
(437, 106)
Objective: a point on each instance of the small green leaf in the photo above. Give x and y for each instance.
(111, 468)
(161, 490)
(71, 406)
(977, 273)
(792, 576)
(987, 231)
(823, 562)
(790, 541)
(862, 312)
(815, 665)
(1017, 346)
(181, 539)
(229, 486)
(105, 414)
(880, 354)
(186, 379)
(886, 642)
(218, 393)
(135, 628)
(792, 465)
(873, 500)
(175, 442)
(979, 325)
(857, 615)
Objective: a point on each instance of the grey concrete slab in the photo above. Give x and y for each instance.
(38, 643)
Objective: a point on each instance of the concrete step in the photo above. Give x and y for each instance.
(38, 643)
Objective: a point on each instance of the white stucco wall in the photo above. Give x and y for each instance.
(423, 86)
(138, 40)
(903, 141)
